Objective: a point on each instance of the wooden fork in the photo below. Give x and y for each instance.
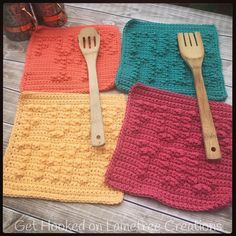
(192, 51)
(89, 43)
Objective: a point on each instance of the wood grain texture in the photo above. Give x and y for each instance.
(163, 13)
(78, 16)
(15, 222)
(192, 51)
(221, 218)
(211, 143)
(90, 51)
(10, 100)
(126, 217)
(224, 221)
(133, 209)
(7, 128)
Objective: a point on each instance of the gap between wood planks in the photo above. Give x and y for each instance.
(178, 12)
(30, 220)
(87, 16)
(144, 206)
(120, 21)
(183, 216)
(59, 217)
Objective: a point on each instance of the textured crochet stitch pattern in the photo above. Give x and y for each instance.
(150, 55)
(160, 152)
(54, 62)
(50, 156)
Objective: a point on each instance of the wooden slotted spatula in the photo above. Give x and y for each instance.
(89, 43)
(192, 51)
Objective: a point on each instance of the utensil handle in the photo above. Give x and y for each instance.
(97, 131)
(211, 143)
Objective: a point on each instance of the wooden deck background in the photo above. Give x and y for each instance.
(135, 214)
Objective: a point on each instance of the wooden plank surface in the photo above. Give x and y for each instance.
(126, 217)
(163, 13)
(78, 16)
(223, 217)
(133, 209)
(151, 13)
(15, 222)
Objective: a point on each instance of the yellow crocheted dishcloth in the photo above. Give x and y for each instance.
(50, 156)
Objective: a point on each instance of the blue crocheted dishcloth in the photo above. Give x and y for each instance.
(150, 55)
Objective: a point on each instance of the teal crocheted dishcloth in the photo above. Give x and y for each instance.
(150, 55)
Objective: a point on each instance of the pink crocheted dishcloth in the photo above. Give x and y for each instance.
(160, 152)
(54, 62)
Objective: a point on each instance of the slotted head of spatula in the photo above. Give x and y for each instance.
(89, 40)
(191, 48)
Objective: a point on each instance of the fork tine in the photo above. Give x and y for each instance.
(181, 41)
(192, 39)
(187, 41)
(198, 39)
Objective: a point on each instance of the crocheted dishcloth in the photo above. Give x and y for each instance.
(54, 62)
(160, 152)
(150, 55)
(50, 156)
